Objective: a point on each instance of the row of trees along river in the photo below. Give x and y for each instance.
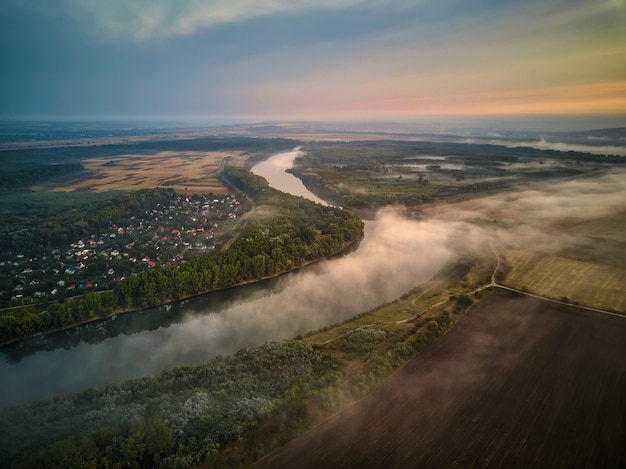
(194, 330)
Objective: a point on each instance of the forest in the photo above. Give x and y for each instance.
(298, 232)
(365, 175)
(225, 413)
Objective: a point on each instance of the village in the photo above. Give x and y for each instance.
(162, 236)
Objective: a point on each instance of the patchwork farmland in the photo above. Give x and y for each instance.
(517, 383)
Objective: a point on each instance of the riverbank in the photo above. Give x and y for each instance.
(348, 247)
(326, 376)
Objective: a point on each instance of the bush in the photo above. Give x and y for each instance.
(362, 340)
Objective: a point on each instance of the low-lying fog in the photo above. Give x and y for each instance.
(396, 255)
(543, 144)
(586, 198)
(533, 219)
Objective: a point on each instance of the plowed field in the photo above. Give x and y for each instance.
(517, 383)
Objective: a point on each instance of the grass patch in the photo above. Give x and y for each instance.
(584, 283)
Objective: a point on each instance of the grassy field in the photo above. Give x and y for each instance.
(185, 172)
(478, 399)
(459, 276)
(586, 283)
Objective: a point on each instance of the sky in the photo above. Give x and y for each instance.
(264, 60)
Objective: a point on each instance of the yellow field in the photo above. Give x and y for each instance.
(186, 172)
(586, 283)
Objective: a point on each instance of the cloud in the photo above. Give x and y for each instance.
(148, 19)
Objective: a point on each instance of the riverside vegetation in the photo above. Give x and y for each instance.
(234, 410)
(230, 411)
(293, 232)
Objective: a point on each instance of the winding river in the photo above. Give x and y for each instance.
(395, 255)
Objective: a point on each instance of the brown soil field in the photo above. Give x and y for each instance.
(517, 383)
(191, 172)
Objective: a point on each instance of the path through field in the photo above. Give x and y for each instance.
(519, 382)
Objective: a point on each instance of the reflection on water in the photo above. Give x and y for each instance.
(394, 256)
(130, 324)
(274, 170)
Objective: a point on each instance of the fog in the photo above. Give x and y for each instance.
(533, 219)
(580, 199)
(396, 255)
(544, 144)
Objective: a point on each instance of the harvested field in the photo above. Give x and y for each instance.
(517, 383)
(186, 172)
(596, 285)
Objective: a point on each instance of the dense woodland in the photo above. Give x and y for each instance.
(226, 413)
(16, 176)
(299, 232)
(31, 223)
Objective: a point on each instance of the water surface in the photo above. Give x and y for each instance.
(394, 256)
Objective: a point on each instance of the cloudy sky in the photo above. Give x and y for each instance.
(311, 59)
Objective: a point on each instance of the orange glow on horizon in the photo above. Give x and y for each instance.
(594, 99)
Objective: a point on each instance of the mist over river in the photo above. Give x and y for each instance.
(395, 255)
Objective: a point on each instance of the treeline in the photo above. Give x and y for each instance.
(299, 232)
(226, 413)
(255, 146)
(33, 224)
(176, 419)
(17, 175)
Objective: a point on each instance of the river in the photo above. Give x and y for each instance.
(395, 255)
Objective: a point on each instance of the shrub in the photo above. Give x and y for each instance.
(362, 340)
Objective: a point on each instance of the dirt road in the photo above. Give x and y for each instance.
(519, 382)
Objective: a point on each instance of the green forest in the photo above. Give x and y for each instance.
(366, 176)
(228, 412)
(298, 232)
